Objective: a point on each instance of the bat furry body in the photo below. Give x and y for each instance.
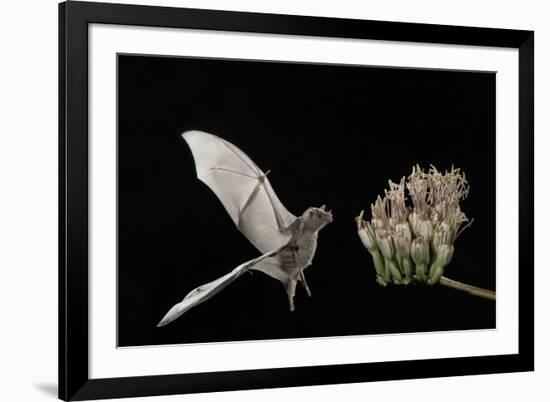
(288, 243)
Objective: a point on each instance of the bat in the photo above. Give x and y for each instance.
(287, 243)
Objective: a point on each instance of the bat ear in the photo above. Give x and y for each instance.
(323, 207)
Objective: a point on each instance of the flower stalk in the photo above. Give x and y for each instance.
(473, 290)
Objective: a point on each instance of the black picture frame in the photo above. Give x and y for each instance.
(74, 381)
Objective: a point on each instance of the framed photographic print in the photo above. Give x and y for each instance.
(257, 201)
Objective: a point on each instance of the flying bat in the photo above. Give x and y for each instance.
(287, 243)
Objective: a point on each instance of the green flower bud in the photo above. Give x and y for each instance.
(425, 229)
(444, 254)
(438, 239)
(385, 243)
(367, 236)
(402, 239)
(413, 221)
(419, 251)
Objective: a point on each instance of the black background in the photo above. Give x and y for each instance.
(330, 135)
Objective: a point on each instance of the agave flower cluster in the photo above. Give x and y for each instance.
(416, 242)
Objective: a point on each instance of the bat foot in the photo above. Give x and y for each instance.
(291, 304)
(303, 280)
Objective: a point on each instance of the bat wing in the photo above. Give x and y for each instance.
(206, 291)
(243, 189)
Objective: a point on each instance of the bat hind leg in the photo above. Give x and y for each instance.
(291, 291)
(303, 280)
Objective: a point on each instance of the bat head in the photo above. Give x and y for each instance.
(317, 218)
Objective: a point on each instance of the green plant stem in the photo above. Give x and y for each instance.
(436, 272)
(407, 268)
(378, 261)
(395, 273)
(473, 290)
(421, 272)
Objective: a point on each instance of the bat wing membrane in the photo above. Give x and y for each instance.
(243, 189)
(204, 292)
